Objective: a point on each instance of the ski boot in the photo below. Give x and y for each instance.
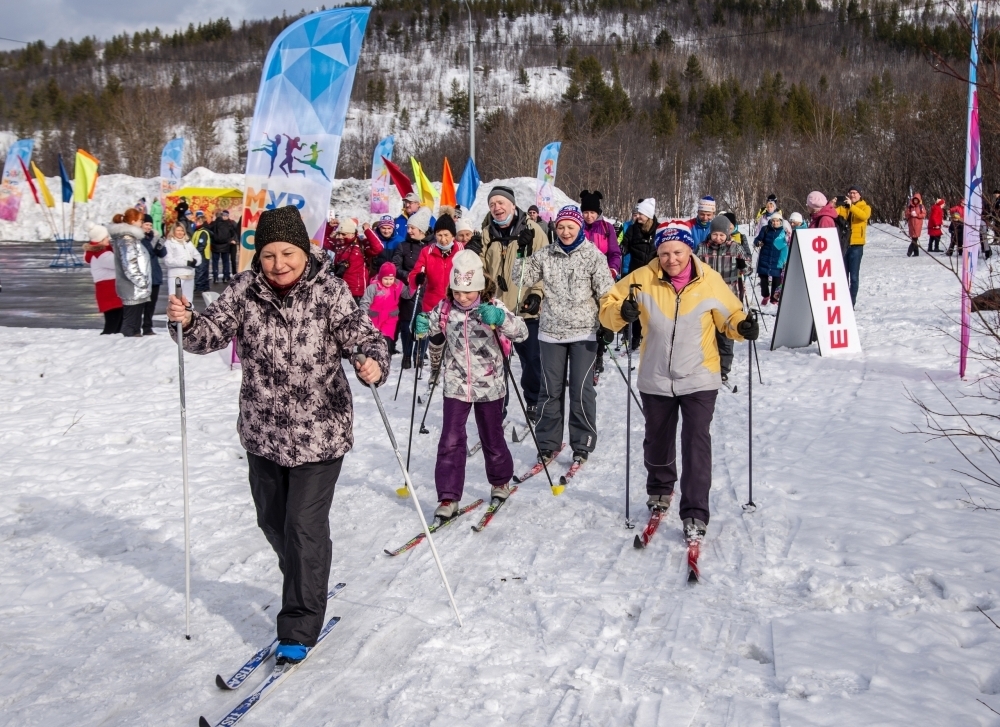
(659, 502)
(580, 457)
(694, 530)
(501, 492)
(545, 456)
(446, 510)
(290, 652)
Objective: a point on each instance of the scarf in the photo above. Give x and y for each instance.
(466, 308)
(580, 238)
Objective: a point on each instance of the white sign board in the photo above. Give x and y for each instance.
(815, 297)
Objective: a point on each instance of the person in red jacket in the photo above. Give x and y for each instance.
(434, 264)
(351, 254)
(101, 258)
(916, 213)
(935, 225)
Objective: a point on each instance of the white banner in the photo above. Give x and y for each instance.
(815, 297)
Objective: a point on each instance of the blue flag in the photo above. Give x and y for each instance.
(468, 185)
(67, 186)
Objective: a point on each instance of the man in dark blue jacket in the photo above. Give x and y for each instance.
(156, 249)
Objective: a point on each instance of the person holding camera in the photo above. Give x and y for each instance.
(856, 211)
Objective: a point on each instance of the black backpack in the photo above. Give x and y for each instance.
(843, 232)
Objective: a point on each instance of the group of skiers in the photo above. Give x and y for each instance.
(506, 289)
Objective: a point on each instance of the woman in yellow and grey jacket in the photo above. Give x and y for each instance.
(856, 211)
(681, 304)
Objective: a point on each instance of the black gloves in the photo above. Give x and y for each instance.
(421, 277)
(525, 241)
(475, 244)
(741, 264)
(532, 304)
(606, 335)
(748, 328)
(340, 269)
(630, 310)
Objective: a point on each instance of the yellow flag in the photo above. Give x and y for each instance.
(85, 176)
(424, 187)
(42, 187)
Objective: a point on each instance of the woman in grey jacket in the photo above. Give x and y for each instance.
(133, 270)
(576, 277)
(295, 322)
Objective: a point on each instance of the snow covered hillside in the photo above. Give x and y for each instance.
(849, 598)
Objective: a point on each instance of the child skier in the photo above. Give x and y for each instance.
(729, 259)
(935, 225)
(772, 240)
(381, 303)
(467, 361)
(956, 230)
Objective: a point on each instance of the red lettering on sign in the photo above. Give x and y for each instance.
(824, 268)
(829, 291)
(838, 338)
(819, 244)
(250, 218)
(833, 315)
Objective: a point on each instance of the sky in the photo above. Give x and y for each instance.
(50, 20)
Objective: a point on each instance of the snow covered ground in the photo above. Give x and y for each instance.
(849, 598)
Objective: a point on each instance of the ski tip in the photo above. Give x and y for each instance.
(558, 489)
(388, 552)
(563, 481)
(403, 492)
(221, 683)
(202, 722)
(638, 543)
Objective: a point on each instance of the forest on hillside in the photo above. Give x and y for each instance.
(672, 98)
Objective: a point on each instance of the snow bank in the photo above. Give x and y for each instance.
(849, 598)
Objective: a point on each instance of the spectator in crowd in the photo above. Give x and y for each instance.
(101, 258)
(156, 249)
(133, 279)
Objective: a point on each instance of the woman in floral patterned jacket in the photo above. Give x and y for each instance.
(294, 321)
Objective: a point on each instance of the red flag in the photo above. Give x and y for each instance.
(27, 177)
(447, 187)
(403, 184)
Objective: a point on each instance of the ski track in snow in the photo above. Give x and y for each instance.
(849, 597)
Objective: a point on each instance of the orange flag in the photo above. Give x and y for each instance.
(447, 187)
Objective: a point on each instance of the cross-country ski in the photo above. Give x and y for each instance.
(295, 298)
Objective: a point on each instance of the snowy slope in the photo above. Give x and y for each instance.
(849, 598)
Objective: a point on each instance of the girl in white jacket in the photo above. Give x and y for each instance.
(181, 259)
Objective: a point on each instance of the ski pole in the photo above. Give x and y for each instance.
(361, 358)
(184, 469)
(409, 324)
(423, 429)
(619, 367)
(509, 377)
(628, 420)
(750, 506)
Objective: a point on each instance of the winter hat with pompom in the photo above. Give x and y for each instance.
(647, 207)
(421, 219)
(386, 221)
(467, 272)
(816, 200)
(672, 232)
(706, 204)
(570, 213)
(98, 233)
(463, 225)
(445, 222)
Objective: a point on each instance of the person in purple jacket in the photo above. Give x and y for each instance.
(601, 235)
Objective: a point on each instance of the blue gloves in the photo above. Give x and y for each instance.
(421, 325)
(491, 315)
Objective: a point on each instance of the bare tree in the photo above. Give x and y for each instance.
(138, 121)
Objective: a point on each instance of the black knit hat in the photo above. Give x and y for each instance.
(591, 201)
(282, 225)
(445, 222)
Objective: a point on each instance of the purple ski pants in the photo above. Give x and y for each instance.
(449, 474)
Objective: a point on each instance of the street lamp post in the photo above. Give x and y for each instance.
(472, 95)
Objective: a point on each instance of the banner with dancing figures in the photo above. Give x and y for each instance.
(380, 176)
(171, 168)
(973, 196)
(299, 119)
(547, 163)
(14, 179)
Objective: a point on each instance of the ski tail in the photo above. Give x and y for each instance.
(694, 550)
(643, 538)
(420, 537)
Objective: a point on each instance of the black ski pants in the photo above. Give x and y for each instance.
(148, 309)
(293, 510)
(659, 448)
(132, 320)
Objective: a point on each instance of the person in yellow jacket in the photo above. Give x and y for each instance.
(856, 211)
(681, 303)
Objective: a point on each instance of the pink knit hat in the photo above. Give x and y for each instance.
(386, 270)
(816, 200)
